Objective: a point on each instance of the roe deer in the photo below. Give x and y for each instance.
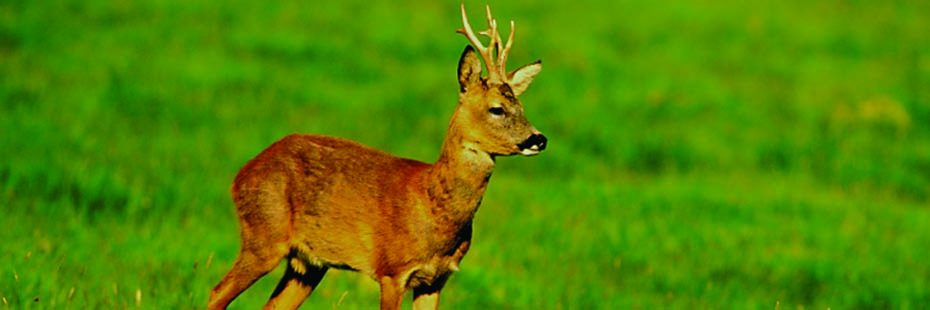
(322, 202)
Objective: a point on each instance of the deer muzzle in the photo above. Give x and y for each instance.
(533, 145)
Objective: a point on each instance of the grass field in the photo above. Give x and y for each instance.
(703, 154)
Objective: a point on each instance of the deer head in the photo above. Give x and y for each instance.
(489, 110)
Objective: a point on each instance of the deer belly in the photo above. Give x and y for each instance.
(344, 245)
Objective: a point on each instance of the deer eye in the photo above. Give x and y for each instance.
(496, 111)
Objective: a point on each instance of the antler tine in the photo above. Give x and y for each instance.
(495, 53)
(466, 30)
(492, 31)
(486, 52)
(502, 54)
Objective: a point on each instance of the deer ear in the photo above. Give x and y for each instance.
(469, 68)
(521, 78)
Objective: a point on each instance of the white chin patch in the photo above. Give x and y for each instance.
(530, 151)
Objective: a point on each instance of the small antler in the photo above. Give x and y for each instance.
(497, 68)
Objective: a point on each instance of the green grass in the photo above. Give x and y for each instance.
(703, 155)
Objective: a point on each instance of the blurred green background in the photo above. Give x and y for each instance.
(722, 154)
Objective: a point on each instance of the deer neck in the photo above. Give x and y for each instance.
(457, 180)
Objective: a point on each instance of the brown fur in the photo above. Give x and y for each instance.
(322, 202)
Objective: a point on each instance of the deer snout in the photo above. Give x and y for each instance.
(534, 144)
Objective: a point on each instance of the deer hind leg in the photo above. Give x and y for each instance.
(264, 244)
(300, 279)
(249, 267)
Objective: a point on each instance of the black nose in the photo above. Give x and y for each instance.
(538, 140)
